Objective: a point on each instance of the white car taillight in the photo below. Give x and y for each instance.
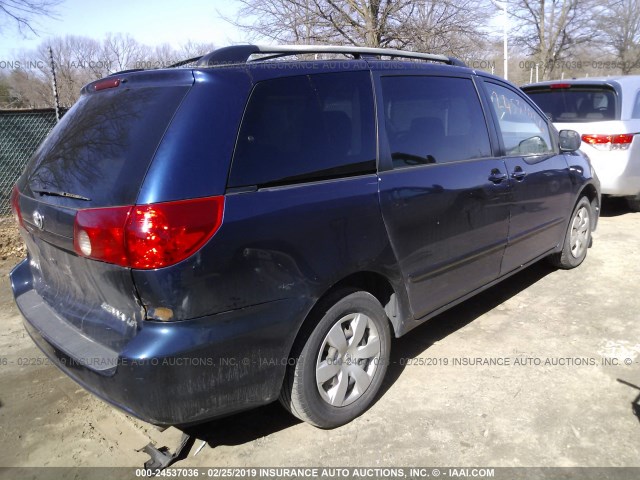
(608, 142)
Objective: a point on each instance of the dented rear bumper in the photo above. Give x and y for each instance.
(173, 373)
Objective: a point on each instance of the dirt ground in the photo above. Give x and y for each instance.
(571, 338)
(11, 246)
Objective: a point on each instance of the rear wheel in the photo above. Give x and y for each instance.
(577, 239)
(340, 363)
(634, 203)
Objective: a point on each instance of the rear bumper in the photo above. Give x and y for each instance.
(618, 171)
(622, 187)
(174, 373)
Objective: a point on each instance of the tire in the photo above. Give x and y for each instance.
(577, 238)
(347, 341)
(634, 203)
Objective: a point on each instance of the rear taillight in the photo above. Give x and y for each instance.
(166, 233)
(609, 142)
(15, 206)
(99, 233)
(147, 236)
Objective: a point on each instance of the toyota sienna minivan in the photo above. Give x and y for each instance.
(255, 225)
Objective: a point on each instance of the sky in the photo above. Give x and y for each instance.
(151, 22)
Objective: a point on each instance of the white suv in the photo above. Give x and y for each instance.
(606, 113)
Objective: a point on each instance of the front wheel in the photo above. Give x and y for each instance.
(340, 364)
(577, 239)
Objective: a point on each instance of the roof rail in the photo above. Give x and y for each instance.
(241, 53)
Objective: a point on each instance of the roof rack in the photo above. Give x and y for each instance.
(241, 54)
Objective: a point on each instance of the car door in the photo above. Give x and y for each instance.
(538, 174)
(443, 195)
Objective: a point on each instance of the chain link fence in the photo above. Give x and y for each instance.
(21, 131)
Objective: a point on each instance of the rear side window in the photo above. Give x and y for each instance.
(433, 120)
(524, 131)
(574, 103)
(306, 128)
(103, 146)
(636, 107)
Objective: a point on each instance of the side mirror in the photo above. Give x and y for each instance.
(533, 146)
(569, 141)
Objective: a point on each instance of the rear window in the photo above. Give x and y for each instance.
(589, 103)
(306, 128)
(103, 146)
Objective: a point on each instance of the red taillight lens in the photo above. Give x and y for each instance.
(15, 206)
(609, 142)
(166, 233)
(99, 233)
(554, 86)
(147, 236)
(106, 83)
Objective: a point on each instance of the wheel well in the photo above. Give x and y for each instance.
(591, 193)
(373, 283)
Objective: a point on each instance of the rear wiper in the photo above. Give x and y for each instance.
(62, 194)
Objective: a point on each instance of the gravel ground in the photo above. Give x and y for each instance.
(571, 338)
(11, 246)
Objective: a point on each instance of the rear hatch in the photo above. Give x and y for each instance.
(97, 156)
(576, 103)
(592, 109)
(587, 108)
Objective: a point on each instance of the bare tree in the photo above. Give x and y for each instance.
(194, 49)
(620, 26)
(551, 29)
(78, 61)
(449, 27)
(373, 23)
(123, 52)
(420, 24)
(23, 12)
(354, 22)
(161, 56)
(283, 21)
(9, 97)
(28, 89)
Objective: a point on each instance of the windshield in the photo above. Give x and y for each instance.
(590, 103)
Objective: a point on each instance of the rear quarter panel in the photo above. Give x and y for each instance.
(275, 243)
(193, 159)
(279, 243)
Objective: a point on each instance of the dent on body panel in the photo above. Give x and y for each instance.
(447, 215)
(283, 243)
(97, 298)
(213, 364)
(224, 276)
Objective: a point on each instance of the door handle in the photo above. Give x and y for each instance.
(497, 176)
(518, 173)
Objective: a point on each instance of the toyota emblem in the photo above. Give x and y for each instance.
(38, 220)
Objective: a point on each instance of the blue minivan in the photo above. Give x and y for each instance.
(256, 224)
